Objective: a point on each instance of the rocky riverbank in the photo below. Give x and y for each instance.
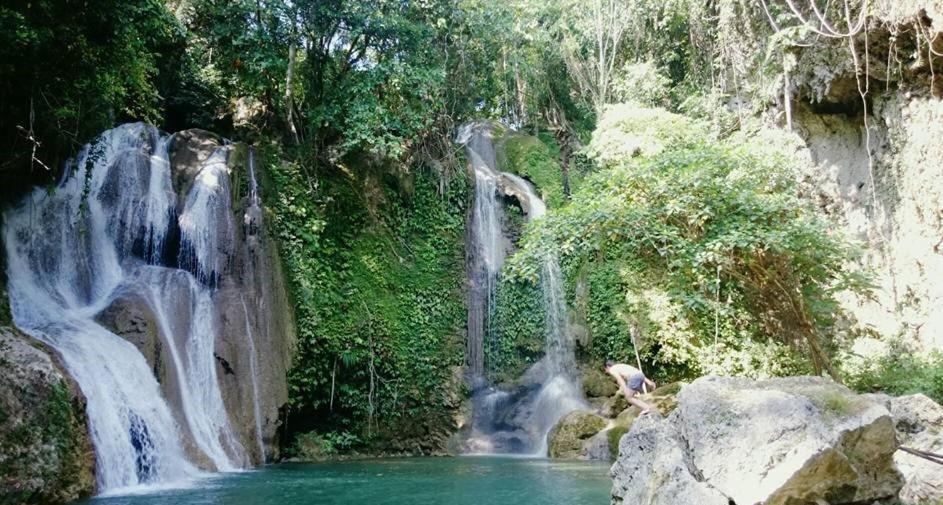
(779, 441)
(46, 454)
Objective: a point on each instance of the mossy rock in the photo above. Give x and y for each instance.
(598, 384)
(45, 449)
(615, 436)
(664, 399)
(533, 159)
(566, 439)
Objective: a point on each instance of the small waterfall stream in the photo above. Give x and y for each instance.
(512, 422)
(107, 234)
(487, 243)
(251, 220)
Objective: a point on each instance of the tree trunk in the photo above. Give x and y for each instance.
(289, 95)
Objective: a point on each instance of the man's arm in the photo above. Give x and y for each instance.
(621, 382)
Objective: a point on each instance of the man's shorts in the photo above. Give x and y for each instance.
(636, 381)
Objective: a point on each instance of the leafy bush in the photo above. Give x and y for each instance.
(898, 370)
(314, 446)
(628, 130)
(701, 248)
(642, 83)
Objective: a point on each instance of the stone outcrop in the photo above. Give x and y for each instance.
(893, 207)
(46, 454)
(776, 442)
(663, 399)
(657, 470)
(880, 185)
(919, 424)
(569, 437)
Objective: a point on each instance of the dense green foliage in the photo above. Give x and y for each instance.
(678, 238)
(377, 268)
(895, 368)
(520, 328)
(699, 251)
(69, 70)
(536, 159)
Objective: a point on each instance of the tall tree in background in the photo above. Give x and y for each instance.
(591, 46)
(69, 70)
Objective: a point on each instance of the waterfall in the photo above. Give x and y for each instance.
(487, 243)
(251, 220)
(106, 234)
(512, 422)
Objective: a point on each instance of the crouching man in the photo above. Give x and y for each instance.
(630, 381)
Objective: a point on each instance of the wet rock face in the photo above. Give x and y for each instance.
(775, 442)
(45, 450)
(252, 320)
(131, 318)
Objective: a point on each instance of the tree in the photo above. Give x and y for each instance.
(591, 47)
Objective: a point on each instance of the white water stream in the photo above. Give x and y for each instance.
(99, 237)
(558, 392)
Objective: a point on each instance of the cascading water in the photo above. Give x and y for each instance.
(487, 242)
(104, 235)
(251, 219)
(512, 422)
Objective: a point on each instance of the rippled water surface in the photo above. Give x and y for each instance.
(420, 481)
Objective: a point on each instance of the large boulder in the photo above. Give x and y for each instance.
(919, 424)
(567, 438)
(797, 440)
(45, 449)
(654, 468)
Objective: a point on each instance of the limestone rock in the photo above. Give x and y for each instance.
(776, 442)
(664, 399)
(919, 422)
(656, 471)
(597, 447)
(45, 450)
(566, 439)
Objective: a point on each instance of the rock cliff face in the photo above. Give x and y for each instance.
(900, 220)
(775, 442)
(46, 454)
(881, 185)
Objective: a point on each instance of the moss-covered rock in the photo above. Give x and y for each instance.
(537, 160)
(45, 449)
(664, 399)
(567, 438)
(598, 384)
